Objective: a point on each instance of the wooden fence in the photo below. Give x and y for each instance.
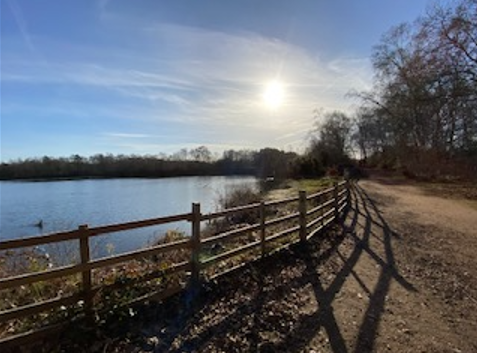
(307, 215)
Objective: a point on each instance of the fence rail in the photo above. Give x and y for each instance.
(299, 223)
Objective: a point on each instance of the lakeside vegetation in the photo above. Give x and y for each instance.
(111, 307)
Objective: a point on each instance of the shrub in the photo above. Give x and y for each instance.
(241, 196)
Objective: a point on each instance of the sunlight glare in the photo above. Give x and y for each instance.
(274, 94)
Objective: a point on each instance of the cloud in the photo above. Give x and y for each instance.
(125, 135)
(22, 24)
(209, 83)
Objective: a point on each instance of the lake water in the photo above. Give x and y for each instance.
(64, 205)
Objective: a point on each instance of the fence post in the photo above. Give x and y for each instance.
(262, 229)
(335, 196)
(86, 274)
(302, 217)
(195, 243)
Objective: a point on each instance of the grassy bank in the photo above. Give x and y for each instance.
(290, 188)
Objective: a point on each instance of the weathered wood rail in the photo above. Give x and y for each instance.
(300, 225)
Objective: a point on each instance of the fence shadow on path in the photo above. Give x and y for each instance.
(361, 222)
(387, 268)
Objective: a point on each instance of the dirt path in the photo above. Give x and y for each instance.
(398, 275)
(414, 271)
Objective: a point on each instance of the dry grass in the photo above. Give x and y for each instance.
(118, 285)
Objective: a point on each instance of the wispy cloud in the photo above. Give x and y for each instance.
(125, 135)
(209, 83)
(22, 24)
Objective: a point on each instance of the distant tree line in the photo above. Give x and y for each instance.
(267, 162)
(329, 149)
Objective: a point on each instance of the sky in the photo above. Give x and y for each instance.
(153, 76)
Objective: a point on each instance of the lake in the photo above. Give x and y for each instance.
(64, 205)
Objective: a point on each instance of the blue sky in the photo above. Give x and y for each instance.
(151, 76)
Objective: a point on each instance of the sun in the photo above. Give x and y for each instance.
(274, 94)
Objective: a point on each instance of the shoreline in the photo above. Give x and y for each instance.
(33, 180)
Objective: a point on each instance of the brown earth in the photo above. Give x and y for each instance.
(399, 274)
